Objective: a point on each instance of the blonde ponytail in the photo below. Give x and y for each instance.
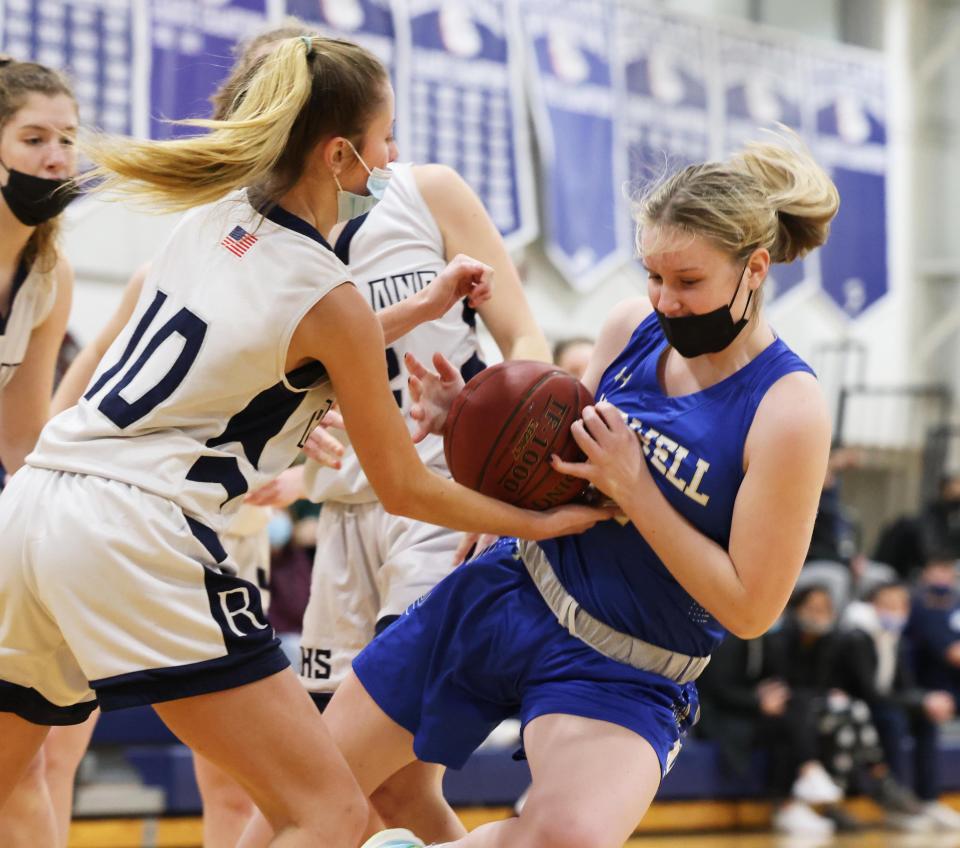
(303, 90)
(770, 195)
(799, 190)
(181, 173)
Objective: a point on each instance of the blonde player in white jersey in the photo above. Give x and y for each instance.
(371, 565)
(226, 807)
(246, 332)
(38, 122)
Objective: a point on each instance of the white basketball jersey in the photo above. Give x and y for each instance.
(393, 252)
(31, 299)
(191, 401)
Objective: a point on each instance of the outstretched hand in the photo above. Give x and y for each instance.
(432, 393)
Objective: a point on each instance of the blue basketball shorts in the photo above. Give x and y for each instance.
(483, 646)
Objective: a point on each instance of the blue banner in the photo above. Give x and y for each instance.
(90, 39)
(191, 52)
(665, 105)
(847, 97)
(367, 22)
(463, 103)
(621, 94)
(574, 108)
(763, 85)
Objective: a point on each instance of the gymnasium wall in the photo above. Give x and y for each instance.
(556, 112)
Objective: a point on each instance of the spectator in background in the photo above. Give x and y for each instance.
(835, 559)
(940, 522)
(802, 653)
(290, 567)
(933, 632)
(873, 668)
(934, 626)
(573, 354)
(910, 541)
(745, 705)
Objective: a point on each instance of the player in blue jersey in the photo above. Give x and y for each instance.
(712, 437)
(246, 332)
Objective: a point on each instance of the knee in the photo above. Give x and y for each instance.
(351, 817)
(227, 798)
(36, 770)
(571, 829)
(399, 794)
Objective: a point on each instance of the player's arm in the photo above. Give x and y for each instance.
(613, 338)
(78, 375)
(746, 587)
(445, 290)
(342, 332)
(467, 228)
(25, 400)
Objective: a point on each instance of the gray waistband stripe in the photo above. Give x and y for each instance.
(600, 636)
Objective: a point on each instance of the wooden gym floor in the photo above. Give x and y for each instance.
(706, 824)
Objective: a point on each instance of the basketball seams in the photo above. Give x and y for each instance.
(511, 428)
(536, 479)
(517, 410)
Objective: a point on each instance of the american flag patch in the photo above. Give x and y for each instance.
(239, 241)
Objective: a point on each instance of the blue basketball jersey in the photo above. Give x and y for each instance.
(694, 450)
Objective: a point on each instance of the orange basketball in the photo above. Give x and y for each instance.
(504, 426)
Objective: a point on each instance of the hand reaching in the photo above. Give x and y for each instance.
(463, 277)
(322, 446)
(432, 393)
(471, 545)
(281, 491)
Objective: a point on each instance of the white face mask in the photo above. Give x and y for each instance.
(351, 205)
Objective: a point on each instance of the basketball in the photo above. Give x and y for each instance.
(504, 426)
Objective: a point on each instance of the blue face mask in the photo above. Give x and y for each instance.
(279, 529)
(891, 622)
(351, 205)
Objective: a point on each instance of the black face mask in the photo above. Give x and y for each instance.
(35, 200)
(711, 332)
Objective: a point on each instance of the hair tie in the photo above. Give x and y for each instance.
(308, 41)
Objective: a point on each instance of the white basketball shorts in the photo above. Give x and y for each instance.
(109, 589)
(369, 565)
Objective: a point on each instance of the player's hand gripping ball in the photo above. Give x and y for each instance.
(503, 427)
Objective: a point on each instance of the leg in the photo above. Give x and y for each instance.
(592, 783)
(26, 813)
(413, 798)
(267, 736)
(374, 746)
(926, 766)
(63, 750)
(227, 808)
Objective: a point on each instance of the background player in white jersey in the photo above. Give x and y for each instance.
(370, 565)
(243, 332)
(38, 123)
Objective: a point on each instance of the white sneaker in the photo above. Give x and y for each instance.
(910, 823)
(946, 818)
(520, 803)
(797, 819)
(815, 786)
(397, 837)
